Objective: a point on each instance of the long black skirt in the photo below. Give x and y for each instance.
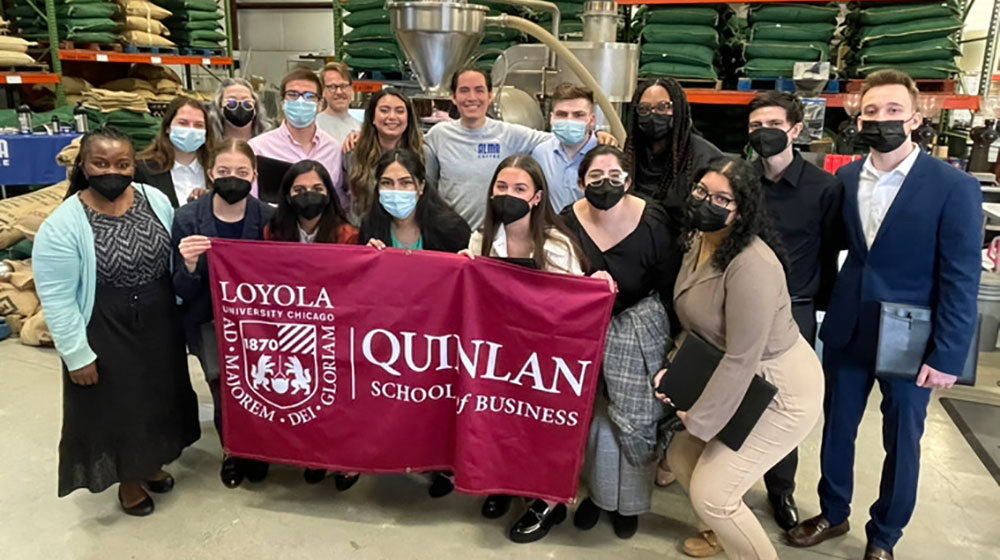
(142, 412)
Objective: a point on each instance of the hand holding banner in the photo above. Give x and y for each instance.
(353, 359)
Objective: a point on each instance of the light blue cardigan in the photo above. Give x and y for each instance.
(65, 267)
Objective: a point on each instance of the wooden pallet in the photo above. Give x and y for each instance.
(75, 45)
(189, 51)
(926, 86)
(779, 84)
(24, 68)
(689, 83)
(139, 49)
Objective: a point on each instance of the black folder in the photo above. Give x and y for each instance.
(904, 335)
(691, 366)
(270, 172)
(520, 261)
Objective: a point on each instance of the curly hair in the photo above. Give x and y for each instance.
(679, 150)
(752, 220)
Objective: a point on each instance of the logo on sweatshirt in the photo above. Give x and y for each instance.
(489, 150)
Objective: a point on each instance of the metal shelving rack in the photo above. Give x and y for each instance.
(81, 55)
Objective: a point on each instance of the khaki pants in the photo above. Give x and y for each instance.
(716, 477)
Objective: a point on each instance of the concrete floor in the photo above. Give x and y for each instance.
(392, 517)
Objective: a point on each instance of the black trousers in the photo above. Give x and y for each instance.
(781, 478)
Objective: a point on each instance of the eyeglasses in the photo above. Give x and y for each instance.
(339, 87)
(700, 192)
(292, 95)
(617, 178)
(247, 104)
(661, 108)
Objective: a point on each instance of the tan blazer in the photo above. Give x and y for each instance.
(745, 311)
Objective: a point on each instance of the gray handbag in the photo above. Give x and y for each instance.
(904, 334)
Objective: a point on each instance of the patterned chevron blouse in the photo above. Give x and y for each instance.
(132, 249)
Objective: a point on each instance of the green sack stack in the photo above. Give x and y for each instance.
(679, 41)
(920, 39)
(87, 21)
(370, 44)
(781, 35)
(196, 25)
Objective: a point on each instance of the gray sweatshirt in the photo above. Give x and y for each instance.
(466, 159)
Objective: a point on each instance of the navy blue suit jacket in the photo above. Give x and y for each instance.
(927, 252)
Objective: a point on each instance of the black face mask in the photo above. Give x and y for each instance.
(655, 127)
(231, 189)
(768, 142)
(240, 116)
(603, 195)
(509, 209)
(883, 136)
(707, 217)
(110, 186)
(308, 205)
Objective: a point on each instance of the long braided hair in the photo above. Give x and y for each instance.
(679, 153)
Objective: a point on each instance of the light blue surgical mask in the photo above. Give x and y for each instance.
(399, 204)
(300, 113)
(187, 139)
(570, 132)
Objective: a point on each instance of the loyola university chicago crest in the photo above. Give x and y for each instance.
(280, 351)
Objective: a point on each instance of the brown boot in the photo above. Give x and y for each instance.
(706, 544)
(814, 531)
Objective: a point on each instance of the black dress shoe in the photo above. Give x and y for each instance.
(142, 509)
(587, 515)
(442, 485)
(161, 486)
(496, 506)
(256, 471)
(786, 514)
(536, 522)
(345, 481)
(625, 525)
(231, 473)
(314, 476)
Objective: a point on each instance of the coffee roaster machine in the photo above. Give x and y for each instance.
(439, 37)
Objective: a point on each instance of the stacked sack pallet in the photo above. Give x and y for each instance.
(679, 42)
(917, 38)
(14, 51)
(144, 25)
(570, 24)
(496, 39)
(125, 110)
(79, 21)
(370, 45)
(196, 25)
(780, 36)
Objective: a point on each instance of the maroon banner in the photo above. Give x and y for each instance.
(352, 359)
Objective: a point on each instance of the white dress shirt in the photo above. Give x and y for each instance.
(186, 179)
(877, 190)
(558, 254)
(307, 237)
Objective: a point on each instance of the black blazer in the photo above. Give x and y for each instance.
(197, 218)
(449, 233)
(146, 172)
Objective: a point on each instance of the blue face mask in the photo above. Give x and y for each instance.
(300, 113)
(187, 139)
(570, 132)
(399, 204)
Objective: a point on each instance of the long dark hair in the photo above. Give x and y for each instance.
(77, 179)
(285, 224)
(438, 222)
(543, 217)
(161, 152)
(367, 153)
(753, 219)
(679, 154)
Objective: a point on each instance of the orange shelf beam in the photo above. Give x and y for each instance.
(14, 78)
(78, 55)
(952, 102)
